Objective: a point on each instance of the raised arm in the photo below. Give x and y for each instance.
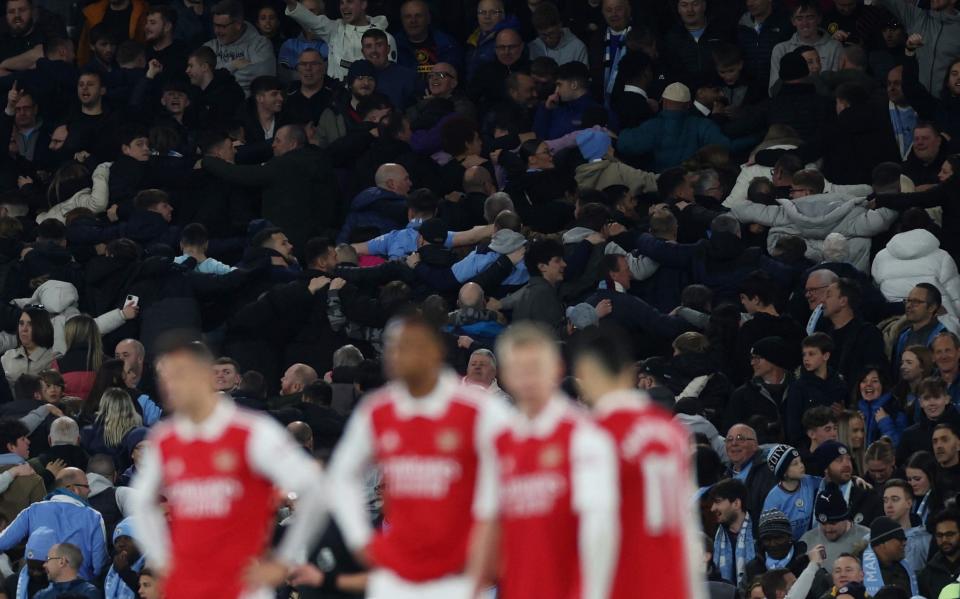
(319, 25)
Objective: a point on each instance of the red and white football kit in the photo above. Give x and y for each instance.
(218, 478)
(557, 506)
(658, 537)
(432, 452)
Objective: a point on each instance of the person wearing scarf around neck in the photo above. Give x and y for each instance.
(123, 578)
(733, 545)
(884, 561)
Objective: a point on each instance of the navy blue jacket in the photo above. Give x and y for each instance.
(374, 208)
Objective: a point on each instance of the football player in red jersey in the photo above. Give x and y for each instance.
(219, 466)
(658, 550)
(555, 504)
(431, 437)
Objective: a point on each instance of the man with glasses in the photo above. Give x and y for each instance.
(290, 51)
(944, 567)
(307, 98)
(553, 39)
(62, 563)
(748, 465)
(486, 87)
(815, 292)
(920, 309)
(421, 46)
(66, 512)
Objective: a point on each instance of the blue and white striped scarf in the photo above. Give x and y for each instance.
(733, 564)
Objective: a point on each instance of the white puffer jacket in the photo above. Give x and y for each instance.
(915, 257)
(60, 299)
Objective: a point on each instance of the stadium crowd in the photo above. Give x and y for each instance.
(761, 194)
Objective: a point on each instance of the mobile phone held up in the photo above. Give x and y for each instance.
(131, 300)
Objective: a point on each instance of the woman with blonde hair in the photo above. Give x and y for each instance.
(84, 355)
(116, 418)
(852, 432)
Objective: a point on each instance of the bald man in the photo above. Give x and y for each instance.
(67, 512)
(471, 296)
(292, 384)
(382, 207)
(132, 353)
(303, 434)
(749, 466)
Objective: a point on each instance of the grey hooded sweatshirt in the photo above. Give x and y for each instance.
(250, 46)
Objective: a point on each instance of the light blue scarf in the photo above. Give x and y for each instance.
(773, 564)
(733, 564)
(115, 588)
(873, 578)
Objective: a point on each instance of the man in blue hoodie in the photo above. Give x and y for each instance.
(68, 514)
(563, 110)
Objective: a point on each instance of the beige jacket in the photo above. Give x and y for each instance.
(605, 172)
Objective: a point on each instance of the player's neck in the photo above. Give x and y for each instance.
(423, 386)
(202, 408)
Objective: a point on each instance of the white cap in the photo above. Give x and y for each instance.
(677, 92)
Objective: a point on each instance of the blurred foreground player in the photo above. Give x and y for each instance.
(217, 466)
(658, 535)
(556, 504)
(432, 439)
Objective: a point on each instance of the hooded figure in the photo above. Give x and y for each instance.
(38, 546)
(60, 299)
(121, 582)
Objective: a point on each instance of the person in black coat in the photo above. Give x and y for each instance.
(289, 324)
(218, 97)
(860, 140)
(315, 409)
(797, 104)
(538, 187)
(817, 385)
(689, 59)
(758, 294)
(771, 359)
(936, 408)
